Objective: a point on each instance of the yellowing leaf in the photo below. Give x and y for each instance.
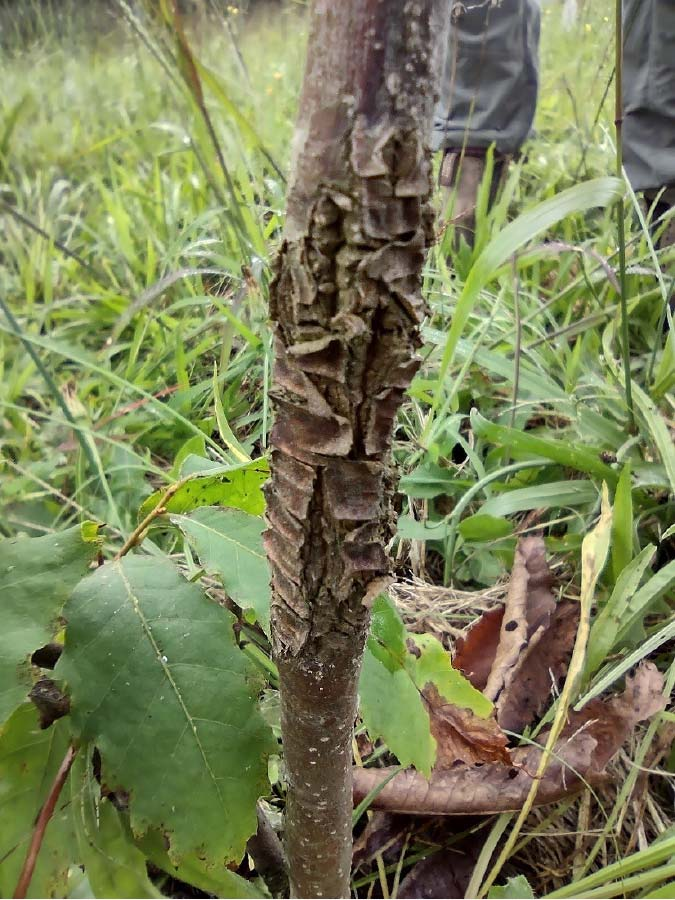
(237, 486)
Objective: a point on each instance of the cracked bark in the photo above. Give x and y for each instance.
(346, 305)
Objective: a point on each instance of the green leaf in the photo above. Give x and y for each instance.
(640, 604)
(556, 494)
(158, 684)
(239, 486)
(484, 528)
(114, 866)
(228, 437)
(392, 709)
(522, 443)
(609, 621)
(198, 464)
(36, 577)
(193, 446)
(29, 761)
(413, 530)
(428, 480)
(517, 888)
(388, 634)
(434, 665)
(392, 679)
(218, 880)
(622, 524)
(667, 891)
(229, 544)
(390, 702)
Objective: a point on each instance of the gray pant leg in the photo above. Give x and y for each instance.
(490, 78)
(649, 93)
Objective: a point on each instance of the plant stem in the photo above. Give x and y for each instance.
(46, 813)
(620, 212)
(137, 534)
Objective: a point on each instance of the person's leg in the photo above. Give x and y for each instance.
(488, 95)
(649, 101)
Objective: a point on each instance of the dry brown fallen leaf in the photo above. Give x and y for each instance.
(475, 652)
(529, 604)
(540, 669)
(589, 740)
(453, 844)
(384, 832)
(461, 735)
(444, 874)
(517, 654)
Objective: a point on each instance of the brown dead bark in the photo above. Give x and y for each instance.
(346, 305)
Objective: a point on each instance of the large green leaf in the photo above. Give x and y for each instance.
(29, 761)
(392, 708)
(158, 684)
(644, 601)
(229, 544)
(484, 528)
(659, 431)
(428, 480)
(432, 665)
(622, 524)
(114, 866)
(216, 880)
(390, 703)
(392, 679)
(239, 486)
(36, 577)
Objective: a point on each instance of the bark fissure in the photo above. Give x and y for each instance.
(346, 305)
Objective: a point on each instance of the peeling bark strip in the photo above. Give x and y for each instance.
(346, 305)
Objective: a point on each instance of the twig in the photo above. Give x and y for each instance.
(155, 513)
(267, 853)
(46, 813)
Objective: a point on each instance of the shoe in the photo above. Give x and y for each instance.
(461, 175)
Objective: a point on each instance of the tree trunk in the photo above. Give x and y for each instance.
(346, 304)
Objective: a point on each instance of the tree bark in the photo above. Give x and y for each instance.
(346, 305)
